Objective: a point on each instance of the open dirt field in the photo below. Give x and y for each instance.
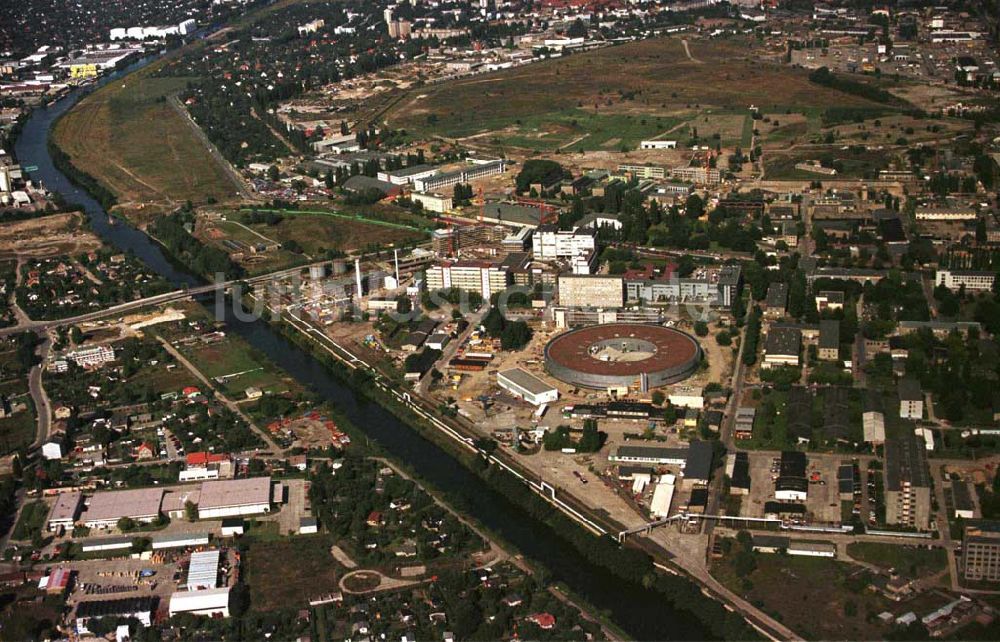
(653, 77)
(128, 137)
(47, 236)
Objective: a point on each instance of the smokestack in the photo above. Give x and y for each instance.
(395, 254)
(357, 277)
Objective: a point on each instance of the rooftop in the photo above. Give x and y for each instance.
(113, 505)
(526, 380)
(235, 492)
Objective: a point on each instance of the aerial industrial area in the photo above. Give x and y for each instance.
(499, 319)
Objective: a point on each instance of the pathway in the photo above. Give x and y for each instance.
(176, 354)
(687, 52)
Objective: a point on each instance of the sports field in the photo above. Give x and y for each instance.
(648, 79)
(129, 137)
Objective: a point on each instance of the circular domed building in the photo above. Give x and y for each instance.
(622, 355)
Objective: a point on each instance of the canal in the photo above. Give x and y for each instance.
(641, 613)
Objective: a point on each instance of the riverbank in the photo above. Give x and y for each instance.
(589, 566)
(628, 565)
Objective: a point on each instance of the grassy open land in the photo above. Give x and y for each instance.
(32, 520)
(649, 77)
(852, 162)
(235, 366)
(17, 431)
(290, 571)
(128, 137)
(318, 231)
(911, 561)
(820, 599)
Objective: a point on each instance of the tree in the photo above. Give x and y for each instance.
(76, 335)
(591, 440)
(658, 397)
(538, 170)
(272, 173)
(190, 510)
(701, 328)
(126, 524)
(694, 206)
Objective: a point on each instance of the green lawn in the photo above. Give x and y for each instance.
(289, 572)
(818, 598)
(32, 520)
(17, 431)
(912, 561)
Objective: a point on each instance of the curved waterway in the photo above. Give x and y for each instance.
(642, 614)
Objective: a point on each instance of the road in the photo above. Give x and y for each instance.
(29, 325)
(43, 407)
(241, 187)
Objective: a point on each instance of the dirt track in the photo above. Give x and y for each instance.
(46, 236)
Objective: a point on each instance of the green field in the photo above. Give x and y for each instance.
(318, 231)
(820, 599)
(585, 129)
(643, 79)
(237, 364)
(290, 571)
(31, 521)
(911, 561)
(128, 137)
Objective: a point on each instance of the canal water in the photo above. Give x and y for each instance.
(640, 613)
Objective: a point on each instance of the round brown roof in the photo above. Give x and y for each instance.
(674, 349)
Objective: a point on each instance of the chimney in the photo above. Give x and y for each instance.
(357, 277)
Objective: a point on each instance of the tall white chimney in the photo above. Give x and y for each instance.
(357, 277)
(395, 254)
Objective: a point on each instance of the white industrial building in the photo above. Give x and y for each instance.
(212, 602)
(106, 508)
(658, 144)
(184, 540)
(527, 386)
(203, 572)
(65, 510)
(873, 423)
(663, 495)
(433, 202)
(234, 497)
(106, 544)
(407, 175)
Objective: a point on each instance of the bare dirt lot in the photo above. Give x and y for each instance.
(47, 236)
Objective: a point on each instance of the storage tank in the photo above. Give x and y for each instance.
(317, 272)
(340, 267)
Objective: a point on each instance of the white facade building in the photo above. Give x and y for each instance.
(973, 280)
(527, 386)
(212, 602)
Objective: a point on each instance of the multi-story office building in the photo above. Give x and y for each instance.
(972, 280)
(907, 482)
(981, 551)
(715, 287)
(465, 175)
(591, 291)
(484, 277)
(705, 175)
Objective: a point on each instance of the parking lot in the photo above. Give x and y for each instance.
(823, 502)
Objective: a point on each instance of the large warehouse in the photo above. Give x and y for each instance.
(234, 497)
(106, 508)
(622, 355)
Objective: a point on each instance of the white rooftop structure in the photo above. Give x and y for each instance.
(203, 573)
(211, 602)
